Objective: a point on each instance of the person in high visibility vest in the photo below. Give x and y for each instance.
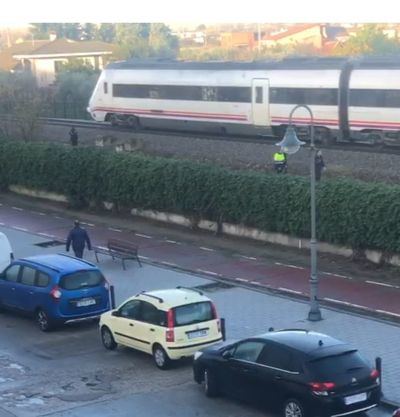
(280, 162)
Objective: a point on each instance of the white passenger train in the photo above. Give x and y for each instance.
(351, 99)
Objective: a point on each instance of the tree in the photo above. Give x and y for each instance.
(370, 40)
(106, 32)
(161, 41)
(145, 40)
(22, 103)
(72, 31)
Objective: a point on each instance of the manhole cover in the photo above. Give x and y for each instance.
(213, 286)
(49, 243)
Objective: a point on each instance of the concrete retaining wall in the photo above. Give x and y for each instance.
(227, 228)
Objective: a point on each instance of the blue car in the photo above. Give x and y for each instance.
(55, 289)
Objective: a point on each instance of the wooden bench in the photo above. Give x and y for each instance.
(121, 249)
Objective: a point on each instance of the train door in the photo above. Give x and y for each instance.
(260, 101)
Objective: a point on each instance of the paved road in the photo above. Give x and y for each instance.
(68, 373)
(366, 296)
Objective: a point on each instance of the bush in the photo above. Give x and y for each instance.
(351, 213)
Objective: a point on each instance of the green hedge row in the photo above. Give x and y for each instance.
(352, 213)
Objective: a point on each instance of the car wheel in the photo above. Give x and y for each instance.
(160, 357)
(293, 408)
(210, 383)
(108, 339)
(43, 321)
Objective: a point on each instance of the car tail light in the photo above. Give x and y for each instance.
(219, 325)
(214, 311)
(375, 375)
(322, 388)
(55, 293)
(170, 334)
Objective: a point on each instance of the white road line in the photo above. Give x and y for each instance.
(382, 284)
(115, 230)
(208, 249)
(22, 229)
(289, 265)
(388, 312)
(1, 224)
(241, 280)
(145, 236)
(248, 257)
(172, 241)
(257, 283)
(336, 275)
(1, 205)
(169, 264)
(38, 212)
(60, 218)
(102, 247)
(333, 300)
(143, 257)
(289, 290)
(45, 234)
(207, 272)
(17, 208)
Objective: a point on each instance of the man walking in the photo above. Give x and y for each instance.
(319, 165)
(78, 236)
(73, 135)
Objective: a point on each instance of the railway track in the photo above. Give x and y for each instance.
(267, 140)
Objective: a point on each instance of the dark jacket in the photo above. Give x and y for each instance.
(78, 236)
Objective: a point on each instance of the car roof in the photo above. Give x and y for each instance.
(61, 263)
(170, 298)
(312, 344)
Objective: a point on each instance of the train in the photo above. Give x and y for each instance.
(351, 99)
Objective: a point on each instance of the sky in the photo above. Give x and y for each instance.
(19, 12)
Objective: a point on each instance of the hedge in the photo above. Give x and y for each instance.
(352, 213)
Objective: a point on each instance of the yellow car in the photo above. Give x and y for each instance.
(169, 324)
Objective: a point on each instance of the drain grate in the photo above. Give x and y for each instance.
(213, 286)
(49, 243)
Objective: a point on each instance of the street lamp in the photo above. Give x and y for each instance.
(290, 145)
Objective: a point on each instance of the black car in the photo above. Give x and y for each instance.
(302, 372)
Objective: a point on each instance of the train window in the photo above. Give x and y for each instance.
(234, 94)
(154, 92)
(314, 96)
(392, 98)
(259, 95)
(183, 92)
(130, 90)
(367, 98)
(209, 94)
(105, 88)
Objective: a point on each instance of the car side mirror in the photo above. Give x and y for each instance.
(227, 354)
(115, 313)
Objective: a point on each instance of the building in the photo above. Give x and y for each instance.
(238, 40)
(307, 34)
(44, 58)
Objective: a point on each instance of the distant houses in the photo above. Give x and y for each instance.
(44, 58)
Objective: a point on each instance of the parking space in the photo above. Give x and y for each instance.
(69, 373)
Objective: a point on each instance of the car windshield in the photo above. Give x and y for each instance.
(327, 366)
(81, 279)
(193, 313)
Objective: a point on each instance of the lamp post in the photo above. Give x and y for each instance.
(290, 144)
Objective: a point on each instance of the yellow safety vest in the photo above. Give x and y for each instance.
(279, 157)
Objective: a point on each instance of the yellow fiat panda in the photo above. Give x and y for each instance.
(169, 324)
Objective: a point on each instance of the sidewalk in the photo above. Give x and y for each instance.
(343, 284)
(247, 312)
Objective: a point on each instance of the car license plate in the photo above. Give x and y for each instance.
(198, 333)
(85, 303)
(355, 398)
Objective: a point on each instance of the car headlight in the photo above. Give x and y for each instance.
(197, 355)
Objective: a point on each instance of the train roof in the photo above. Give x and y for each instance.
(295, 63)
